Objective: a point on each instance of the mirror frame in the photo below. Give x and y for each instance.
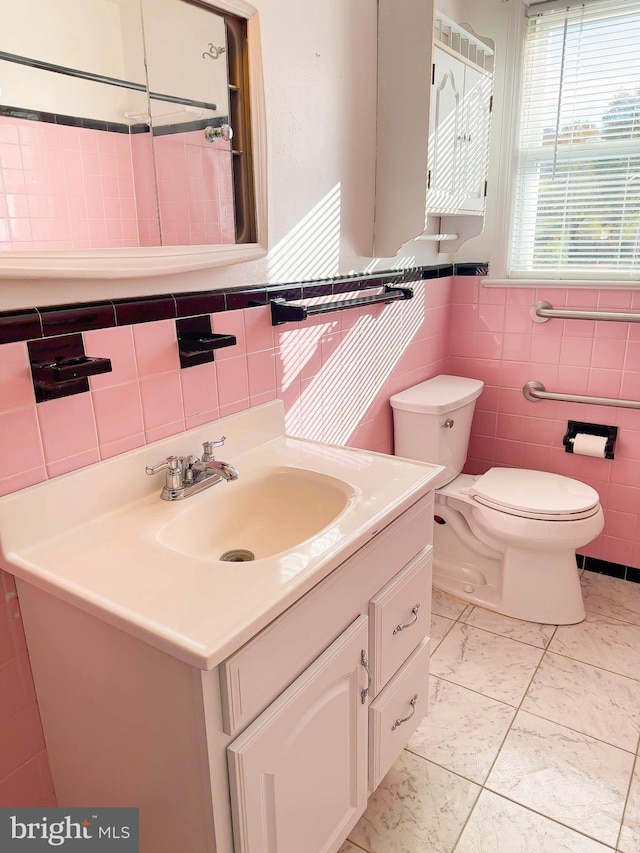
(163, 260)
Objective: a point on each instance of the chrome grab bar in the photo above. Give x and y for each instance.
(534, 391)
(544, 311)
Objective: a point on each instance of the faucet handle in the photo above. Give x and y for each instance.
(207, 448)
(171, 463)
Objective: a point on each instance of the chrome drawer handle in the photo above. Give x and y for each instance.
(365, 663)
(414, 610)
(404, 719)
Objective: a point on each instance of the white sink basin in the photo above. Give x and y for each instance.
(101, 538)
(257, 517)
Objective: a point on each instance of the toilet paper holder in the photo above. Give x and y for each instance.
(602, 430)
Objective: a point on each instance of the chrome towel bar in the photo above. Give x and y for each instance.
(544, 311)
(534, 391)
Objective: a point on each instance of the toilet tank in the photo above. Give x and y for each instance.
(419, 416)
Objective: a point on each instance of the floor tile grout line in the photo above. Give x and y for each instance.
(616, 618)
(547, 817)
(519, 708)
(504, 637)
(482, 787)
(588, 663)
(636, 763)
(542, 649)
(502, 742)
(461, 618)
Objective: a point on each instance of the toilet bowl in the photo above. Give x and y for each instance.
(505, 540)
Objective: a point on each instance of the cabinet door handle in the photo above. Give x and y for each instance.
(365, 663)
(402, 720)
(413, 621)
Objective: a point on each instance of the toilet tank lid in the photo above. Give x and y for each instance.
(439, 395)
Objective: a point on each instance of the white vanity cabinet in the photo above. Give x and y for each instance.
(278, 746)
(298, 774)
(459, 135)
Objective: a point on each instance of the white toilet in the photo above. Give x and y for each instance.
(505, 540)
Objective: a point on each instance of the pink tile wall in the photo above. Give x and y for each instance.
(335, 375)
(25, 779)
(494, 339)
(65, 187)
(195, 189)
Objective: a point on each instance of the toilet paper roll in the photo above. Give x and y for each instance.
(589, 445)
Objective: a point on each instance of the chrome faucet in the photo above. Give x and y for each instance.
(188, 475)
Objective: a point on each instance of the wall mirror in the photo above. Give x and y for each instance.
(131, 137)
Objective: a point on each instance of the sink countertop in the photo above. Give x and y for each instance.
(91, 537)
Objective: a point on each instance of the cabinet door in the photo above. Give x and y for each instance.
(474, 132)
(298, 773)
(445, 135)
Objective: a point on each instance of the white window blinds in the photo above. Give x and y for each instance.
(577, 188)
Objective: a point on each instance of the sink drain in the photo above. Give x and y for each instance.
(238, 555)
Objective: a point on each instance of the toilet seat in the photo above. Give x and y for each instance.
(535, 494)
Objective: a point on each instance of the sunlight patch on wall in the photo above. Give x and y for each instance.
(356, 363)
(311, 249)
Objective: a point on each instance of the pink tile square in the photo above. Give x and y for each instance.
(604, 383)
(202, 418)
(575, 352)
(67, 426)
(12, 697)
(21, 738)
(232, 408)
(118, 412)
(258, 329)
(23, 787)
(230, 323)
(262, 372)
(156, 347)
(161, 400)
(491, 318)
(73, 463)
(516, 347)
(20, 436)
(16, 387)
(164, 431)
(116, 344)
(545, 351)
(199, 389)
(22, 480)
(259, 399)
(609, 354)
(122, 445)
(233, 380)
(465, 289)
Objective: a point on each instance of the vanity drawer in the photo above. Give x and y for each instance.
(399, 617)
(397, 712)
(258, 672)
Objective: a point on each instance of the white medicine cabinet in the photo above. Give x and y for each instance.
(433, 145)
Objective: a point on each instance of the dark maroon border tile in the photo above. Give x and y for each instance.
(145, 309)
(64, 319)
(29, 324)
(20, 326)
(188, 304)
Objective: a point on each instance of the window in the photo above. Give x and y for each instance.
(577, 185)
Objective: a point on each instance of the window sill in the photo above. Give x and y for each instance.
(607, 284)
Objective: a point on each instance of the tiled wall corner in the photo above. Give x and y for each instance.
(25, 779)
(493, 338)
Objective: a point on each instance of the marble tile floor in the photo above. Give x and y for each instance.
(531, 741)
